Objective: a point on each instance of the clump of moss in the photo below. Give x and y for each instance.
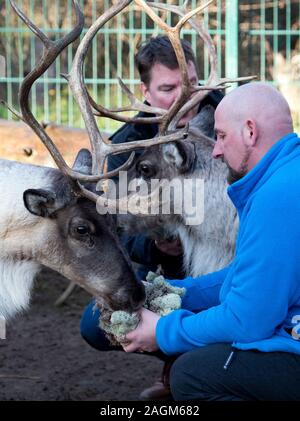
(161, 298)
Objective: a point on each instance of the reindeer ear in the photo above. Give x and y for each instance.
(188, 155)
(203, 122)
(181, 154)
(172, 155)
(42, 202)
(83, 162)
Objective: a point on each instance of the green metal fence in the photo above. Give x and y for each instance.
(259, 37)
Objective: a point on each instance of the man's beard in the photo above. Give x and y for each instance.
(235, 175)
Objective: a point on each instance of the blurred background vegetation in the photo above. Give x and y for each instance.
(258, 37)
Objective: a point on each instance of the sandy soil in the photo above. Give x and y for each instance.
(45, 358)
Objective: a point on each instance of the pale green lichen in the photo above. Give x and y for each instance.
(166, 304)
(121, 323)
(161, 298)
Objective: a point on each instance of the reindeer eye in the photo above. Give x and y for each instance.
(82, 230)
(145, 170)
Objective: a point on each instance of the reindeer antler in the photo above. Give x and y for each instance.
(180, 108)
(100, 149)
(51, 50)
(173, 34)
(213, 81)
(168, 119)
(164, 116)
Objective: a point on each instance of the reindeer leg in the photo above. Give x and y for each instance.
(65, 295)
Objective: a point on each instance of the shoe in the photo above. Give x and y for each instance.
(158, 391)
(161, 388)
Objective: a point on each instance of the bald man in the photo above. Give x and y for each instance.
(249, 121)
(238, 332)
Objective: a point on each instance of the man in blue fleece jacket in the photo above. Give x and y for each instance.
(239, 329)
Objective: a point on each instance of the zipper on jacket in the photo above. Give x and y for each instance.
(229, 360)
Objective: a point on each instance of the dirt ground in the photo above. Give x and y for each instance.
(45, 358)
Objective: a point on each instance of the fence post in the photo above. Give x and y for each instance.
(231, 39)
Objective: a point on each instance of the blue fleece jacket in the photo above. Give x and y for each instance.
(254, 303)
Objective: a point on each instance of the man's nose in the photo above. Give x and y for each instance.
(217, 152)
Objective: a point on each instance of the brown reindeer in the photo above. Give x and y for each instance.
(48, 216)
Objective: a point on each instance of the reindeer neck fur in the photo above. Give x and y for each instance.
(210, 245)
(18, 265)
(16, 282)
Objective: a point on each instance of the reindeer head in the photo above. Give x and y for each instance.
(176, 158)
(69, 236)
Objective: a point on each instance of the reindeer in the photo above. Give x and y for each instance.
(210, 245)
(48, 215)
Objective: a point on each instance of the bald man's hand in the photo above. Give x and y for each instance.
(143, 337)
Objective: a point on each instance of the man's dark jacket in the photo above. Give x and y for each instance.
(142, 249)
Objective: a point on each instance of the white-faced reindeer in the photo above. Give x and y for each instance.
(207, 246)
(210, 245)
(48, 216)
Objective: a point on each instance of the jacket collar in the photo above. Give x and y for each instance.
(281, 152)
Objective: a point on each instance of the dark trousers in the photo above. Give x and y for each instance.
(250, 375)
(200, 374)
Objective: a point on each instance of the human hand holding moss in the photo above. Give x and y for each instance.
(161, 299)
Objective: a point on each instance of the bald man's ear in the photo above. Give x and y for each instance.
(250, 133)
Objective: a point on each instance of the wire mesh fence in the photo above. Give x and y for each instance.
(259, 37)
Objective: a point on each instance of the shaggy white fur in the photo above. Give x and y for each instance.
(16, 281)
(18, 242)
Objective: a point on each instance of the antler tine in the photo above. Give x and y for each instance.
(45, 40)
(51, 50)
(101, 111)
(198, 27)
(203, 91)
(135, 203)
(138, 144)
(136, 105)
(163, 117)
